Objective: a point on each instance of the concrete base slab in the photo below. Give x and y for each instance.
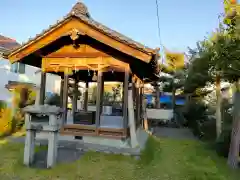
(142, 137)
(83, 146)
(107, 142)
(97, 144)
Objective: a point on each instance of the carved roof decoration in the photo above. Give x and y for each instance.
(80, 8)
(80, 11)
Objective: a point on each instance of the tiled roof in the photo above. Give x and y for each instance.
(15, 83)
(8, 43)
(80, 11)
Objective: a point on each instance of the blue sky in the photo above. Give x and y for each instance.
(182, 23)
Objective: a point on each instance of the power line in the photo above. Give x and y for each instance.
(158, 22)
(159, 30)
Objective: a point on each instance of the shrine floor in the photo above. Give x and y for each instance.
(163, 159)
(105, 122)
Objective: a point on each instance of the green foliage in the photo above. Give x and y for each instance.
(107, 96)
(223, 143)
(199, 120)
(31, 96)
(72, 91)
(199, 70)
(116, 92)
(3, 104)
(23, 96)
(93, 96)
(217, 54)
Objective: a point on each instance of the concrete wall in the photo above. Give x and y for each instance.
(160, 114)
(29, 76)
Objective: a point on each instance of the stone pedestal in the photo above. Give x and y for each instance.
(44, 119)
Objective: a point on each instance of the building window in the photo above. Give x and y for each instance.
(18, 68)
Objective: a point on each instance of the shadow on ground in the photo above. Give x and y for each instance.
(65, 155)
(175, 133)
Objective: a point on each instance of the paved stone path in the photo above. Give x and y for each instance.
(176, 133)
(65, 155)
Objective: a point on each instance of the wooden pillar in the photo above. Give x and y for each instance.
(125, 99)
(140, 100)
(157, 97)
(61, 92)
(145, 120)
(134, 94)
(134, 98)
(133, 91)
(101, 94)
(85, 105)
(98, 100)
(137, 106)
(75, 97)
(65, 98)
(42, 88)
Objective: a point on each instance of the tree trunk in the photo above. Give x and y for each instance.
(173, 98)
(218, 108)
(235, 137)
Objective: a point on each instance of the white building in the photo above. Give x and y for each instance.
(20, 72)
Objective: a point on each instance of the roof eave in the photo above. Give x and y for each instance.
(148, 51)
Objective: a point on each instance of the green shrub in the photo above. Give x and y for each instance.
(208, 129)
(196, 115)
(223, 142)
(3, 104)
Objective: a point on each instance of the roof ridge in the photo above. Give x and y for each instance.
(80, 11)
(5, 38)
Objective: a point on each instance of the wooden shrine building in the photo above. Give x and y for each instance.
(80, 48)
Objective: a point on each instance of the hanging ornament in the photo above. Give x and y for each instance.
(94, 78)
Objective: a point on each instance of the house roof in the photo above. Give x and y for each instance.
(7, 43)
(80, 11)
(12, 84)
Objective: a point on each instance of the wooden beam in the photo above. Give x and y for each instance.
(77, 55)
(95, 64)
(86, 130)
(42, 88)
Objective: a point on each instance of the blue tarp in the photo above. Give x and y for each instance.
(48, 94)
(166, 99)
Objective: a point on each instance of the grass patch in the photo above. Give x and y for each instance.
(163, 159)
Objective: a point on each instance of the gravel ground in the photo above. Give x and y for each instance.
(176, 133)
